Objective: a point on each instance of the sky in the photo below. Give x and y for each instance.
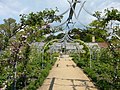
(13, 8)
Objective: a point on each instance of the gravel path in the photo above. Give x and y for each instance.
(65, 75)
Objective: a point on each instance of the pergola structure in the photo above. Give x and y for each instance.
(67, 40)
(80, 46)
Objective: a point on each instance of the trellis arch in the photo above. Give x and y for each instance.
(86, 47)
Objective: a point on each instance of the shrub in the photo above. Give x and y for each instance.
(91, 73)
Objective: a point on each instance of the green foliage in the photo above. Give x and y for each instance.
(36, 74)
(75, 33)
(15, 49)
(59, 36)
(7, 31)
(103, 71)
(40, 18)
(17, 55)
(91, 73)
(55, 54)
(113, 14)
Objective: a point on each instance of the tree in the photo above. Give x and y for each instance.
(102, 29)
(8, 30)
(17, 40)
(60, 35)
(75, 33)
(97, 30)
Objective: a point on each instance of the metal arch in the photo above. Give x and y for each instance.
(95, 47)
(72, 12)
(70, 8)
(74, 40)
(81, 8)
(54, 40)
(51, 52)
(94, 50)
(76, 16)
(66, 36)
(45, 47)
(77, 40)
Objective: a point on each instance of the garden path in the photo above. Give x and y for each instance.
(65, 75)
